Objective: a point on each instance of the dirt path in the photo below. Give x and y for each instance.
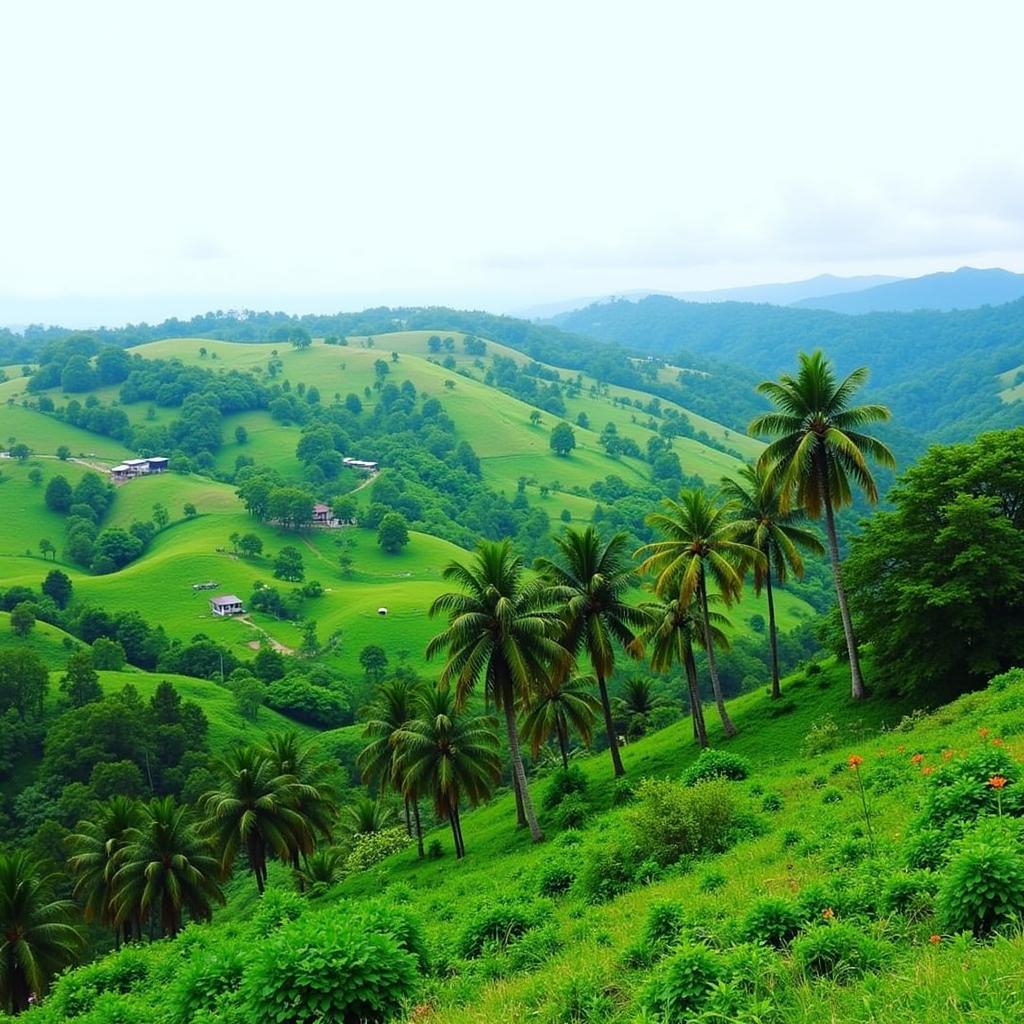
(255, 644)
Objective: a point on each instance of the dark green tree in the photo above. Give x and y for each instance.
(80, 683)
(563, 439)
(393, 533)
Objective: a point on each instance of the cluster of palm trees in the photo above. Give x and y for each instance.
(520, 636)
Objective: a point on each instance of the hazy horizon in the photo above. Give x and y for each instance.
(167, 161)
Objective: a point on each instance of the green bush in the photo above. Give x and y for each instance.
(712, 881)
(716, 764)
(681, 986)
(276, 908)
(608, 867)
(435, 851)
(771, 922)
(822, 736)
(497, 924)
(78, 991)
(572, 812)
(325, 967)
(555, 876)
(669, 822)
(623, 792)
(208, 980)
(960, 791)
(665, 924)
(983, 887)
(562, 783)
(771, 802)
(385, 916)
(838, 950)
(374, 847)
(910, 893)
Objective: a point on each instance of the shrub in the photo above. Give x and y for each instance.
(910, 893)
(555, 876)
(208, 979)
(838, 950)
(669, 822)
(792, 837)
(960, 791)
(608, 868)
(435, 851)
(712, 881)
(927, 848)
(386, 918)
(623, 792)
(822, 736)
(832, 796)
(535, 948)
(716, 764)
(771, 802)
(572, 812)
(562, 783)
(498, 923)
(771, 922)
(276, 908)
(373, 847)
(324, 967)
(983, 888)
(666, 922)
(682, 985)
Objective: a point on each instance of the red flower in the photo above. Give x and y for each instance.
(828, 913)
(997, 781)
(856, 760)
(917, 759)
(935, 940)
(927, 770)
(983, 733)
(997, 742)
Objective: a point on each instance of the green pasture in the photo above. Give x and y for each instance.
(51, 645)
(1011, 392)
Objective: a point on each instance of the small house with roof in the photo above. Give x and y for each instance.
(226, 604)
(322, 514)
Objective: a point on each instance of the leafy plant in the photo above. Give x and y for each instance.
(679, 989)
(563, 783)
(497, 923)
(771, 922)
(838, 950)
(716, 764)
(555, 876)
(665, 924)
(983, 888)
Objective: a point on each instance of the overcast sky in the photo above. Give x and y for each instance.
(166, 158)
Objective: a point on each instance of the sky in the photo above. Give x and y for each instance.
(164, 159)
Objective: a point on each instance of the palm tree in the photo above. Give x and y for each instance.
(501, 629)
(639, 700)
(818, 451)
(392, 706)
(700, 541)
(166, 866)
(591, 579)
(322, 869)
(776, 531)
(556, 707)
(254, 808)
(94, 850)
(449, 756)
(674, 630)
(367, 816)
(314, 795)
(36, 939)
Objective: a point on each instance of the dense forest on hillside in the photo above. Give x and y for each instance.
(936, 370)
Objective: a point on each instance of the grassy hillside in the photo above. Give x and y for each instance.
(1012, 384)
(803, 850)
(51, 645)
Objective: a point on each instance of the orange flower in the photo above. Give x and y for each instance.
(983, 733)
(828, 913)
(856, 760)
(997, 781)
(917, 759)
(935, 940)
(927, 770)
(947, 755)
(997, 742)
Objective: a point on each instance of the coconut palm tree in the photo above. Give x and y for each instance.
(322, 869)
(166, 866)
(392, 706)
(255, 809)
(818, 452)
(638, 701)
(591, 579)
(777, 532)
(502, 630)
(700, 541)
(449, 756)
(673, 632)
(314, 794)
(94, 847)
(36, 937)
(557, 706)
(367, 816)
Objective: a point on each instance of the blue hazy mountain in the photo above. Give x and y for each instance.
(966, 288)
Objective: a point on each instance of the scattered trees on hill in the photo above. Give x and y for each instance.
(393, 533)
(288, 565)
(563, 439)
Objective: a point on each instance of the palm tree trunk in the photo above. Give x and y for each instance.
(408, 818)
(419, 828)
(609, 727)
(20, 991)
(518, 772)
(453, 820)
(520, 810)
(857, 688)
(700, 730)
(560, 732)
(773, 639)
(716, 686)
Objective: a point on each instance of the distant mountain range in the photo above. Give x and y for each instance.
(776, 294)
(966, 288)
